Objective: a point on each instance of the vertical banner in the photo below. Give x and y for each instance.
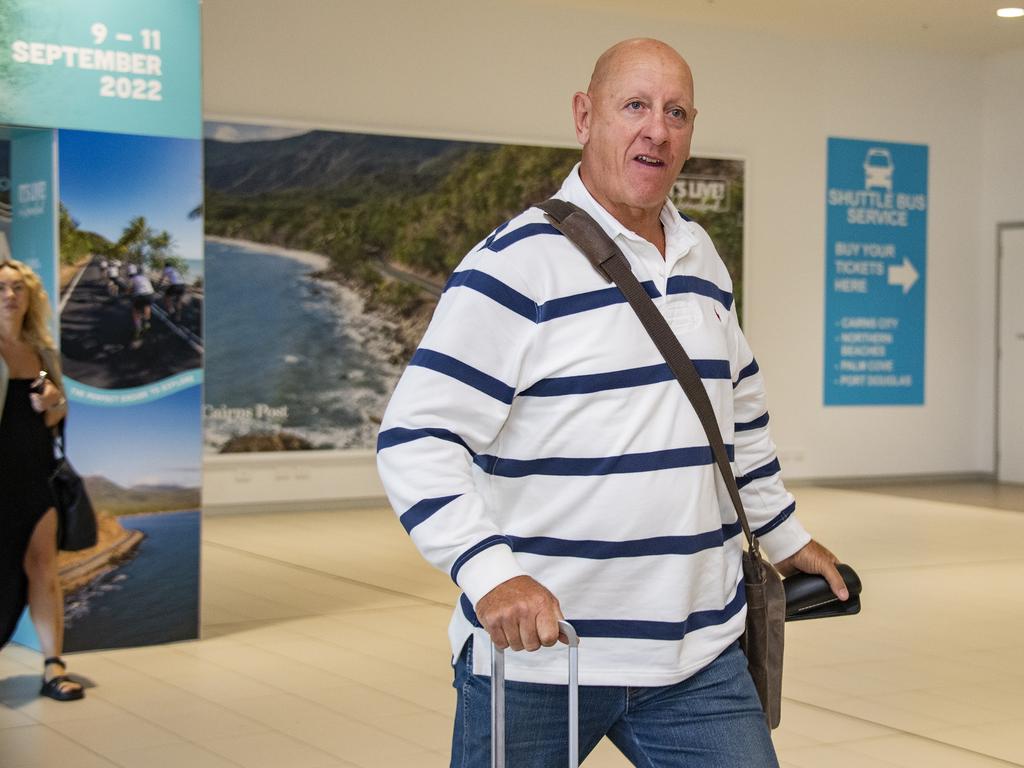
(33, 183)
(116, 85)
(131, 340)
(876, 260)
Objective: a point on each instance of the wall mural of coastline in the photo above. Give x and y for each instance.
(326, 253)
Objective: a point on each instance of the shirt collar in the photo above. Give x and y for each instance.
(679, 236)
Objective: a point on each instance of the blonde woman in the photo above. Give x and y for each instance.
(33, 404)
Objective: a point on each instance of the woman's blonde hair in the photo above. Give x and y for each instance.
(36, 327)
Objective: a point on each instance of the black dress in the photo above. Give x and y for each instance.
(26, 458)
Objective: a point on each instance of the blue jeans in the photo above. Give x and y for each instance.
(711, 720)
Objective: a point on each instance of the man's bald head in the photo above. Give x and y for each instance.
(635, 123)
(620, 53)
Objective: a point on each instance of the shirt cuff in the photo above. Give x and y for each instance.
(486, 570)
(789, 538)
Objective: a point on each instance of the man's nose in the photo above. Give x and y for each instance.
(657, 127)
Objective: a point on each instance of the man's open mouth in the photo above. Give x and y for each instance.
(648, 160)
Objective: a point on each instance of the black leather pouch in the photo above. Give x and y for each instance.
(808, 596)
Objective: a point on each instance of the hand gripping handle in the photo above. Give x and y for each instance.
(498, 700)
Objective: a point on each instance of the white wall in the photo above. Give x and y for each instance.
(506, 72)
(1003, 194)
(1002, 202)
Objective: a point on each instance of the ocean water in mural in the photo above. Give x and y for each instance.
(294, 353)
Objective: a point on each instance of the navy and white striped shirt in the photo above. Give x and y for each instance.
(537, 430)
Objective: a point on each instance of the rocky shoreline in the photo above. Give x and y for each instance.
(114, 545)
(407, 326)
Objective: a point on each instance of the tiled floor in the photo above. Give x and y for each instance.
(325, 646)
(977, 493)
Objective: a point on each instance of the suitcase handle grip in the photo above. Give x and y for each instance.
(498, 699)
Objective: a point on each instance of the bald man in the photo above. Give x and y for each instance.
(540, 451)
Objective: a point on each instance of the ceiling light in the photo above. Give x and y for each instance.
(1010, 13)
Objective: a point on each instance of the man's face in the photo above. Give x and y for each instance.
(635, 125)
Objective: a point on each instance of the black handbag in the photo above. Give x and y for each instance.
(808, 596)
(76, 519)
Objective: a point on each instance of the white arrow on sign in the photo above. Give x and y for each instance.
(903, 274)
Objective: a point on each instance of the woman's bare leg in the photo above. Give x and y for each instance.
(45, 601)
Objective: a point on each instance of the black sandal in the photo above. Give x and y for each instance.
(52, 687)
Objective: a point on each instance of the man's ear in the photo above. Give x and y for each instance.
(582, 110)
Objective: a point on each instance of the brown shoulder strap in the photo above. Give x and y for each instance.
(587, 235)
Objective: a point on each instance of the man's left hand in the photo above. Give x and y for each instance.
(815, 558)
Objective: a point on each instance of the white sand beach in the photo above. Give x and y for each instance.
(315, 260)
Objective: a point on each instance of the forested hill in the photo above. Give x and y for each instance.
(324, 160)
(358, 199)
(482, 190)
(110, 497)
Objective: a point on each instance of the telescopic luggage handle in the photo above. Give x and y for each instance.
(498, 699)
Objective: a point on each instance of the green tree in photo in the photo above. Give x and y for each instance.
(141, 245)
(76, 244)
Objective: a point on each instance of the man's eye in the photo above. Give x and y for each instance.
(678, 114)
(635, 105)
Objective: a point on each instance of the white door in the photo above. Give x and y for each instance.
(1010, 428)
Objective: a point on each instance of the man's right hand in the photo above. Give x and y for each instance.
(520, 614)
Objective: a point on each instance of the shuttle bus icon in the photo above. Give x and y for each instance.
(878, 169)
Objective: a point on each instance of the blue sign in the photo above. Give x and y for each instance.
(34, 203)
(120, 66)
(876, 259)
